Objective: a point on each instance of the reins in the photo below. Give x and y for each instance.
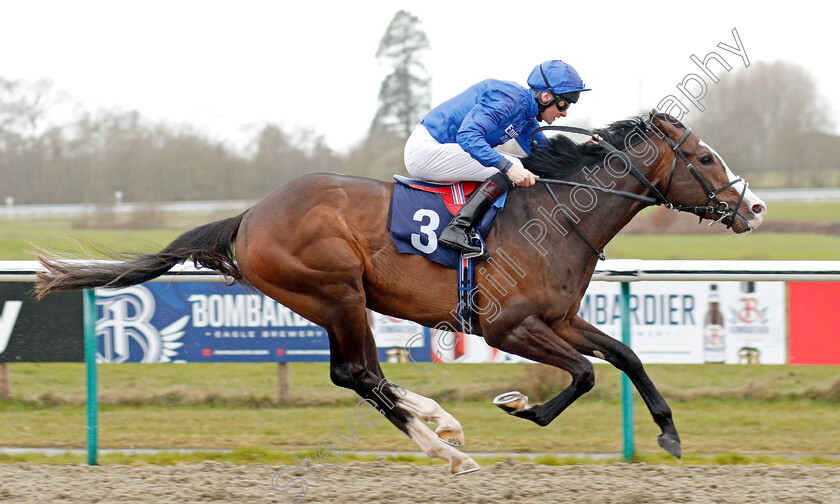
(659, 198)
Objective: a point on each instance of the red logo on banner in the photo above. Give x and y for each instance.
(281, 352)
(207, 352)
(749, 313)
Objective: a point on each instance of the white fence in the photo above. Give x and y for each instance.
(611, 270)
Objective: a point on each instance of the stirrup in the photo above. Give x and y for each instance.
(475, 237)
(472, 255)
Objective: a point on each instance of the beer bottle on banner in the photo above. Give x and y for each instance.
(714, 335)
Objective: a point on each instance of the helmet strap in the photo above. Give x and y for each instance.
(540, 105)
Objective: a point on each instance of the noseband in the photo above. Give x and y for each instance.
(713, 205)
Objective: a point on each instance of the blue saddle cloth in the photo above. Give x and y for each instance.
(420, 211)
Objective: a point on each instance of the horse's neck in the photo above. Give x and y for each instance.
(598, 215)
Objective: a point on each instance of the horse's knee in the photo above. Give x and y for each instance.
(584, 378)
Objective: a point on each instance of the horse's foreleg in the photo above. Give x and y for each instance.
(536, 341)
(353, 365)
(588, 340)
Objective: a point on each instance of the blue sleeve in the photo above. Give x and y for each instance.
(524, 139)
(493, 110)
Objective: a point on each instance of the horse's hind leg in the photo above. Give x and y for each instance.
(355, 366)
(448, 429)
(590, 341)
(319, 276)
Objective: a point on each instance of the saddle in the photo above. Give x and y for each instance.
(419, 211)
(454, 195)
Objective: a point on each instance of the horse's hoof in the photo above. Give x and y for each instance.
(451, 436)
(511, 402)
(670, 444)
(463, 466)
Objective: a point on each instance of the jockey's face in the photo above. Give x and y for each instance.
(551, 113)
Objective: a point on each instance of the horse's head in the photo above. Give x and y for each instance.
(695, 178)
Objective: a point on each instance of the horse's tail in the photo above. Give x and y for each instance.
(210, 245)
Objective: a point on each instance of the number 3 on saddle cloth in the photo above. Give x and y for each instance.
(419, 212)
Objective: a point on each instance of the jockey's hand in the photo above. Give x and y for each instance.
(520, 176)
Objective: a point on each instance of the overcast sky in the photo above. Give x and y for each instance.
(230, 67)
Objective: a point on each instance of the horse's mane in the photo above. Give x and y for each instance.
(563, 157)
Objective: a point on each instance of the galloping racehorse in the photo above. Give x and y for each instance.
(320, 246)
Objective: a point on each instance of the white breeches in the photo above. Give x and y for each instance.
(428, 159)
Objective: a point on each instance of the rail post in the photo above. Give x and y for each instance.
(89, 303)
(626, 386)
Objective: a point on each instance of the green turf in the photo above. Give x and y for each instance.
(254, 385)
(719, 410)
(21, 239)
(707, 427)
(755, 246)
(19, 243)
(18, 238)
(809, 212)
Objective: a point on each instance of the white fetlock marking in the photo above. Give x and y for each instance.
(430, 443)
(429, 411)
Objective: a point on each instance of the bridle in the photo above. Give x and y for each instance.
(713, 205)
(718, 207)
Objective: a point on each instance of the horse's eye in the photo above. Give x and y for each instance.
(707, 159)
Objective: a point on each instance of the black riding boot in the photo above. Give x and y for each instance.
(460, 234)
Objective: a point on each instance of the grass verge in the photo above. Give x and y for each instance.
(717, 409)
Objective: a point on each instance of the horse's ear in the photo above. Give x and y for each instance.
(662, 124)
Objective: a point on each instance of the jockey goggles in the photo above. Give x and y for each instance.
(563, 101)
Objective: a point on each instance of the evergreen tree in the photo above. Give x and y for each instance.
(404, 96)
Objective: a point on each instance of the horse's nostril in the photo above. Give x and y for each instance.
(759, 208)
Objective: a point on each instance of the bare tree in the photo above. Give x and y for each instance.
(90, 156)
(762, 120)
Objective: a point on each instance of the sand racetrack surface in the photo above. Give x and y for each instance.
(385, 482)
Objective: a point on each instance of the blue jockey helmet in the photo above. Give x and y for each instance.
(557, 78)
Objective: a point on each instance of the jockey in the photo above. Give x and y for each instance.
(455, 141)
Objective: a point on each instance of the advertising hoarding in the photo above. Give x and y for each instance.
(212, 322)
(672, 323)
(50, 330)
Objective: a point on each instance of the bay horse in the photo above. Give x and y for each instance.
(319, 245)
